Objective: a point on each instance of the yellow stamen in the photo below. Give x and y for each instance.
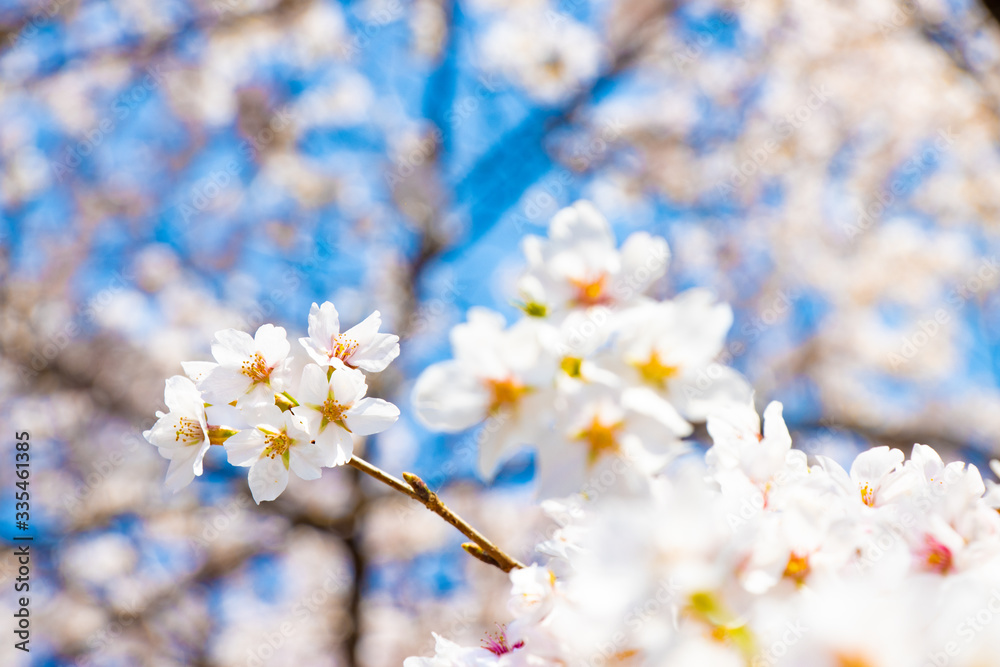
(278, 444)
(592, 292)
(256, 368)
(343, 348)
(188, 431)
(333, 412)
(505, 393)
(797, 568)
(571, 366)
(868, 495)
(600, 438)
(655, 372)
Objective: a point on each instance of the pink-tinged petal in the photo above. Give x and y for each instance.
(314, 388)
(245, 447)
(181, 471)
(306, 460)
(371, 415)
(197, 370)
(336, 445)
(268, 478)
(324, 323)
(272, 343)
(348, 385)
(224, 385)
(448, 398)
(233, 347)
(377, 354)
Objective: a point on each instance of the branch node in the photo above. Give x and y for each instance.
(477, 552)
(419, 486)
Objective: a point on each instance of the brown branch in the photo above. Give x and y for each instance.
(415, 488)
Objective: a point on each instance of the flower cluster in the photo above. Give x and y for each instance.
(749, 555)
(274, 407)
(596, 372)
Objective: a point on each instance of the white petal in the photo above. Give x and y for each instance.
(775, 429)
(224, 385)
(183, 398)
(362, 332)
(181, 471)
(371, 415)
(377, 354)
(874, 464)
(268, 478)
(348, 385)
(336, 445)
(647, 402)
(232, 347)
(324, 323)
(317, 352)
(446, 397)
(272, 343)
(306, 460)
(644, 261)
(259, 396)
(245, 447)
(197, 370)
(314, 389)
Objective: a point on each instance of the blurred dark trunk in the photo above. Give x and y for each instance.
(994, 7)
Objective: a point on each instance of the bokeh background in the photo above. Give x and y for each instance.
(172, 168)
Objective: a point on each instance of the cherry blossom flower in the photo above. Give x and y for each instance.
(278, 442)
(333, 405)
(579, 265)
(361, 346)
(181, 434)
(504, 374)
(250, 371)
(670, 347)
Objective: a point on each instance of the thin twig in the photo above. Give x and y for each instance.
(415, 488)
